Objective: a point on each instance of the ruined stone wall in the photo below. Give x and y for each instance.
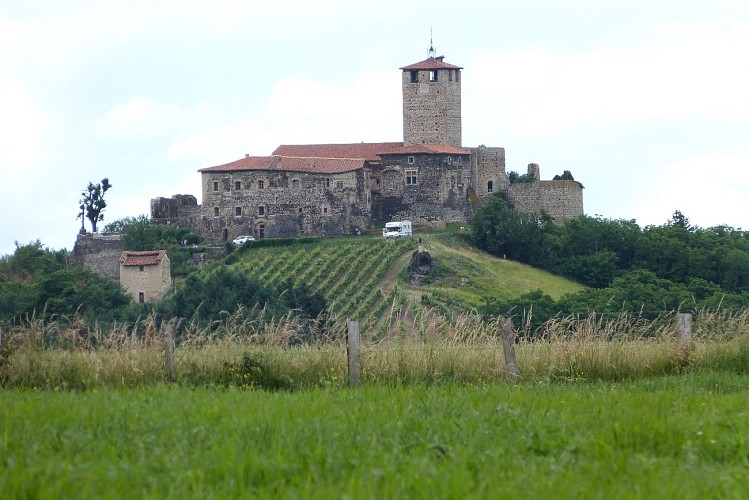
(98, 252)
(488, 166)
(432, 110)
(561, 199)
(180, 210)
(440, 192)
(275, 204)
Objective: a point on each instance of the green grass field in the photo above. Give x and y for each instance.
(666, 437)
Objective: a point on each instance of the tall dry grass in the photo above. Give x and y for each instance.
(409, 345)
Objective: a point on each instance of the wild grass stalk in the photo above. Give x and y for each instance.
(410, 345)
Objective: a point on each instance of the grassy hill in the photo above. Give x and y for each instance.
(363, 277)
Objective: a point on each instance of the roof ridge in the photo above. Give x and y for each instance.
(320, 157)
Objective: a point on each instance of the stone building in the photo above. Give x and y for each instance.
(338, 189)
(146, 275)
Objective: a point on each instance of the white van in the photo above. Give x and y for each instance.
(397, 229)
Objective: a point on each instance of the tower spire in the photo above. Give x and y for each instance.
(431, 52)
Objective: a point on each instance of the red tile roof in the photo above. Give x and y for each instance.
(367, 150)
(430, 63)
(148, 258)
(426, 149)
(309, 164)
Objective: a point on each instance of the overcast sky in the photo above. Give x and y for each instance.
(645, 102)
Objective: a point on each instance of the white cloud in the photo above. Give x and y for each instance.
(710, 190)
(22, 124)
(365, 109)
(299, 111)
(683, 69)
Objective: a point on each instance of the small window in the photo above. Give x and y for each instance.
(450, 75)
(414, 77)
(449, 160)
(327, 183)
(141, 269)
(141, 297)
(301, 210)
(296, 184)
(411, 177)
(411, 160)
(215, 185)
(238, 211)
(237, 185)
(459, 160)
(433, 75)
(261, 210)
(457, 75)
(324, 210)
(490, 187)
(215, 211)
(339, 184)
(261, 184)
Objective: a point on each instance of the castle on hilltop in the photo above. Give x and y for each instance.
(339, 189)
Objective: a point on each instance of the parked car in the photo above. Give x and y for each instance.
(241, 239)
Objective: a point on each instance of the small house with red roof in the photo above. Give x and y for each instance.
(338, 189)
(146, 275)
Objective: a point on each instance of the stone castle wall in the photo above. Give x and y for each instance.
(560, 199)
(98, 252)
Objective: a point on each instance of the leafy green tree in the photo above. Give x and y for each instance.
(215, 292)
(567, 176)
(597, 270)
(92, 203)
(679, 220)
(531, 309)
(38, 280)
(516, 178)
(502, 231)
(80, 290)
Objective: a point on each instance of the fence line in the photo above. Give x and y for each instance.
(685, 341)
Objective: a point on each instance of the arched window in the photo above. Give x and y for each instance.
(490, 187)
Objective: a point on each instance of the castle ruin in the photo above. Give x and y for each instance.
(338, 189)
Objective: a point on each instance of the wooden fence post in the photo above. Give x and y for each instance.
(508, 345)
(684, 331)
(169, 350)
(354, 350)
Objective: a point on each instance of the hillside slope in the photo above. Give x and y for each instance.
(364, 277)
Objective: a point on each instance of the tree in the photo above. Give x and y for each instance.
(679, 220)
(516, 178)
(93, 204)
(500, 230)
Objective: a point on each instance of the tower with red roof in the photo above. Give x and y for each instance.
(431, 102)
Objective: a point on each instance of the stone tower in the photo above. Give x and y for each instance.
(431, 102)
